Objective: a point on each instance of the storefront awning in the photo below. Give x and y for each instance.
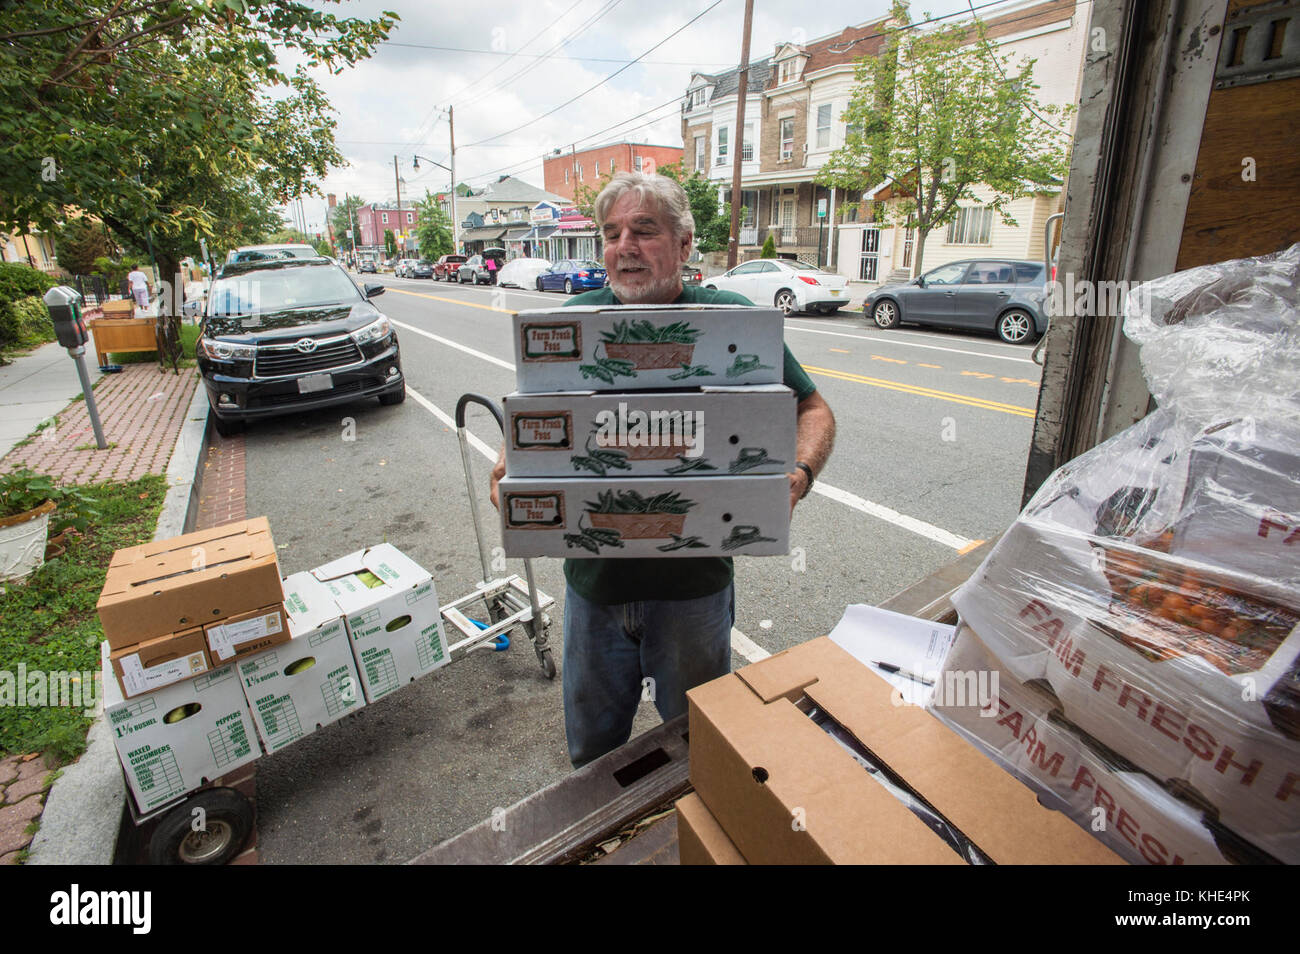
(539, 232)
(491, 234)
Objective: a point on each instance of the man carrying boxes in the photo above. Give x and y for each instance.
(668, 620)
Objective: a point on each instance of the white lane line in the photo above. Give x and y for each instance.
(881, 512)
(749, 650)
(907, 344)
(452, 344)
(450, 421)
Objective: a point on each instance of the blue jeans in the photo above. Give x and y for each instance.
(611, 654)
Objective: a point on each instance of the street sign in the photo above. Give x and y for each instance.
(349, 233)
(821, 208)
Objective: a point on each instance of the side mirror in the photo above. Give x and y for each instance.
(374, 290)
(919, 280)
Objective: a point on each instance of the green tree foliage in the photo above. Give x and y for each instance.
(433, 229)
(169, 120)
(769, 247)
(936, 113)
(21, 288)
(341, 219)
(390, 243)
(80, 241)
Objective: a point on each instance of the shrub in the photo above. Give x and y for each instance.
(33, 321)
(19, 282)
(769, 248)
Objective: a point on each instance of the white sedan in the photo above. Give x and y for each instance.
(790, 286)
(522, 272)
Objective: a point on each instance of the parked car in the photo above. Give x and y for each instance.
(293, 335)
(789, 285)
(265, 253)
(444, 270)
(475, 267)
(367, 267)
(522, 272)
(404, 266)
(1000, 295)
(571, 276)
(421, 270)
(692, 275)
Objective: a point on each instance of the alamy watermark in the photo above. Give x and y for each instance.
(40, 688)
(955, 688)
(1071, 297)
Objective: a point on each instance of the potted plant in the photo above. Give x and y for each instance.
(29, 503)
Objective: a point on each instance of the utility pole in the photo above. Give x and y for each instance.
(397, 181)
(733, 241)
(455, 219)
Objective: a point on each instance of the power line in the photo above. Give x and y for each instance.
(530, 122)
(547, 56)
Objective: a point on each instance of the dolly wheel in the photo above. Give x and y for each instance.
(226, 820)
(548, 663)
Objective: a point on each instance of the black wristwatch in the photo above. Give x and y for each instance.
(808, 473)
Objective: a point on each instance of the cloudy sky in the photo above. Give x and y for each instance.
(505, 64)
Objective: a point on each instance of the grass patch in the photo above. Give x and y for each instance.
(93, 446)
(49, 623)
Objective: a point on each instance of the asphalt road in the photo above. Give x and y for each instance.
(933, 434)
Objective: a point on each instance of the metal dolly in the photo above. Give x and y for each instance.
(510, 600)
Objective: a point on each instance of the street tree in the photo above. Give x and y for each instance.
(938, 112)
(434, 228)
(390, 243)
(341, 219)
(168, 121)
(79, 242)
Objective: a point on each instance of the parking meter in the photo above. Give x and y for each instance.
(64, 304)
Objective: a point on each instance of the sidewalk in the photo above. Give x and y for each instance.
(154, 423)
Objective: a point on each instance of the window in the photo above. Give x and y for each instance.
(749, 202)
(410, 218)
(787, 138)
(971, 227)
(947, 274)
(990, 273)
(787, 215)
(776, 205)
(595, 170)
(611, 165)
(580, 175)
(852, 129)
(789, 72)
(747, 144)
(566, 176)
(696, 97)
(638, 163)
(723, 133)
(701, 152)
(385, 217)
(824, 126)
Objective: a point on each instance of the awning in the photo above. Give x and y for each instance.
(517, 232)
(540, 232)
(492, 234)
(577, 225)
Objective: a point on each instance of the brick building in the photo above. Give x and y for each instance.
(374, 218)
(563, 172)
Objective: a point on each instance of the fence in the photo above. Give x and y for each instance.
(95, 287)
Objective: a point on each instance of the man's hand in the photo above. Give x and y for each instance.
(814, 438)
(798, 486)
(498, 471)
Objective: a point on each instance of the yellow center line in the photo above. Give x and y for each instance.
(840, 351)
(925, 392)
(969, 547)
(453, 301)
(937, 367)
(881, 357)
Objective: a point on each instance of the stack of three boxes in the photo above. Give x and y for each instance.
(654, 431)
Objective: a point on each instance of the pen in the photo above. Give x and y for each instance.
(896, 670)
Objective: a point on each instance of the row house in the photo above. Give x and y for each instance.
(794, 117)
(374, 219)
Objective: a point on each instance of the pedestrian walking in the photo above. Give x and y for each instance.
(492, 270)
(139, 282)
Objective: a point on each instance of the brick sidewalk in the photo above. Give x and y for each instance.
(141, 411)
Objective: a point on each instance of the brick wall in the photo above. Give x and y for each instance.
(595, 163)
(769, 152)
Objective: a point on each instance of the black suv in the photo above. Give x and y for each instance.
(287, 336)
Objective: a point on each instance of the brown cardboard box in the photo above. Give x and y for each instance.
(247, 633)
(787, 793)
(119, 308)
(163, 587)
(160, 662)
(700, 839)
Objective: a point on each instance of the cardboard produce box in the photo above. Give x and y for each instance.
(786, 792)
(164, 587)
(1214, 715)
(308, 682)
(710, 432)
(645, 516)
(700, 839)
(175, 739)
(160, 662)
(390, 606)
(1104, 793)
(625, 347)
(247, 633)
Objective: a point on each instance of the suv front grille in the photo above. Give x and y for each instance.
(276, 360)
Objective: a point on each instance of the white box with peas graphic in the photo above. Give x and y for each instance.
(712, 432)
(645, 516)
(390, 606)
(625, 347)
(310, 681)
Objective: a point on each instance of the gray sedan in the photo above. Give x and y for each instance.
(1001, 295)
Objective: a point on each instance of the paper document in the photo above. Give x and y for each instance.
(903, 650)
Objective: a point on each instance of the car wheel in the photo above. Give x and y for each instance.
(539, 285)
(388, 399)
(568, 286)
(1016, 326)
(227, 427)
(227, 819)
(885, 314)
(786, 301)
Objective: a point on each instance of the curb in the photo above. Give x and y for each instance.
(84, 808)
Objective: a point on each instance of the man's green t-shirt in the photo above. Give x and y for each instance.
(633, 580)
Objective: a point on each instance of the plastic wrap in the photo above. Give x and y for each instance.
(1154, 582)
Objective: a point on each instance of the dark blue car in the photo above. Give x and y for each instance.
(572, 275)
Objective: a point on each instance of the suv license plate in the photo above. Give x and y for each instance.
(315, 382)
